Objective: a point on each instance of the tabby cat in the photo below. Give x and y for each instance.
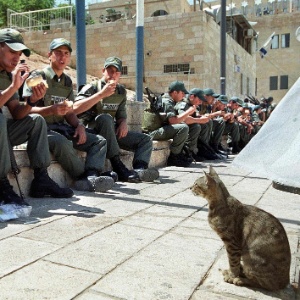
(257, 246)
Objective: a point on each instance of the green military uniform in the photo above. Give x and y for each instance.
(31, 129)
(232, 130)
(177, 132)
(101, 118)
(60, 134)
(257, 120)
(207, 128)
(194, 129)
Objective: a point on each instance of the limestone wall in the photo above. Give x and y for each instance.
(192, 38)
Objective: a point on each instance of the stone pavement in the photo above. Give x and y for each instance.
(141, 241)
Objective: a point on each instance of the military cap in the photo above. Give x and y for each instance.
(60, 42)
(177, 86)
(256, 107)
(113, 61)
(210, 92)
(223, 99)
(199, 93)
(14, 40)
(237, 100)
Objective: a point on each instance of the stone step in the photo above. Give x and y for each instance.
(160, 153)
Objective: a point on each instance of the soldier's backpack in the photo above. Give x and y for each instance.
(153, 116)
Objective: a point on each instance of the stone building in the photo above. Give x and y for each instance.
(279, 69)
(179, 44)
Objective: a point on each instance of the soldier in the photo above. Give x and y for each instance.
(194, 121)
(106, 115)
(66, 134)
(174, 128)
(23, 126)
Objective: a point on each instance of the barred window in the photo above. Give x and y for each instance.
(178, 68)
(124, 70)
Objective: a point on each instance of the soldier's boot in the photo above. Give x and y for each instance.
(215, 146)
(145, 173)
(235, 148)
(91, 181)
(42, 185)
(8, 195)
(178, 160)
(124, 174)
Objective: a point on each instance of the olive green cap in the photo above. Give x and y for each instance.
(223, 99)
(177, 86)
(113, 61)
(199, 93)
(237, 100)
(210, 92)
(14, 40)
(60, 42)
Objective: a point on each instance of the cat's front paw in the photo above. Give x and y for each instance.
(228, 276)
(231, 278)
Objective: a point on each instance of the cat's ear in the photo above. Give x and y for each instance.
(210, 180)
(212, 172)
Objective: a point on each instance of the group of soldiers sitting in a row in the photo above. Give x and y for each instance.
(50, 118)
(196, 121)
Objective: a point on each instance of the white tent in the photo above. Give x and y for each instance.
(274, 152)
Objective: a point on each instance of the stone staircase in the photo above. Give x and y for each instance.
(159, 155)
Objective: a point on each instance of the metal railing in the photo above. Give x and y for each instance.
(45, 19)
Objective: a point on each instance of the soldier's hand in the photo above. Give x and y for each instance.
(192, 109)
(60, 109)
(108, 89)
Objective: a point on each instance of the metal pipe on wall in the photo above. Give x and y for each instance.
(139, 49)
(223, 48)
(80, 43)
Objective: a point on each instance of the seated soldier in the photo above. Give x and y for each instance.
(66, 133)
(174, 127)
(107, 115)
(194, 121)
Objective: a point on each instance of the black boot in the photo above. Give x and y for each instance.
(93, 181)
(145, 173)
(111, 174)
(235, 148)
(188, 153)
(42, 185)
(123, 173)
(178, 160)
(218, 150)
(7, 194)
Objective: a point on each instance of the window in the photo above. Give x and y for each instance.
(242, 84)
(124, 70)
(248, 86)
(285, 40)
(275, 42)
(273, 83)
(159, 13)
(284, 82)
(177, 68)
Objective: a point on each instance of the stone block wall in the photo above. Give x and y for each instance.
(179, 38)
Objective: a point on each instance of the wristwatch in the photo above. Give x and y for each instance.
(30, 103)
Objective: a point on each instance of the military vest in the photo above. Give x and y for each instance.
(5, 82)
(110, 104)
(57, 92)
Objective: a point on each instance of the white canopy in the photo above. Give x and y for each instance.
(274, 152)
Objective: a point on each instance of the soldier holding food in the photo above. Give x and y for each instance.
(66, 133)
(22, 127)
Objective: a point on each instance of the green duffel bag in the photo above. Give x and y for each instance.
(152, 120)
